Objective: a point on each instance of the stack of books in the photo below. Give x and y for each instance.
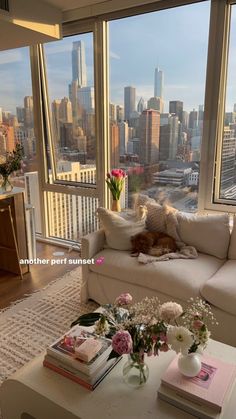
(203, 396)
(81, 356)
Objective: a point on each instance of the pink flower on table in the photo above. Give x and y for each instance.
(170, 311)
(124, 299)
(122, 342)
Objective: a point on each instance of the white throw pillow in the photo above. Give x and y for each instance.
(232, 245)
(209, 234)
(118, 230)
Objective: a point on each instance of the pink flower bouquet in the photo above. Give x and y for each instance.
(115, 182)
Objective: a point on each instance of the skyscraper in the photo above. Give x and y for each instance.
(86, 98)
(65, 110)
(149, 136)
(123, 136)
(141, 105)
(193, 119)
(155, 103)
(29, 111)
(129, 102)
(169, 135)
(176, 107)
(228, 159)
(79, 70)
(158, 83)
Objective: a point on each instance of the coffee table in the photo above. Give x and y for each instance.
(34, 392)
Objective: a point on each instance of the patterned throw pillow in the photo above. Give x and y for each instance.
(155, 217)
(171, 221)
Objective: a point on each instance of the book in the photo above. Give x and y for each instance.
(208, 388)
(194, 408)
(77, 379)
(91, 379)
(65, 352)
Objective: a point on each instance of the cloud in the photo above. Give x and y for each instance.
(114, 55)
(11, 56)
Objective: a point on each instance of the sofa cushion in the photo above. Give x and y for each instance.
(209, 234)
(177, 278)
(155, 217)
(118, 230)
(232, 245)
(220, 290)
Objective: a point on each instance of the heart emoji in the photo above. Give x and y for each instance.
(100, 260)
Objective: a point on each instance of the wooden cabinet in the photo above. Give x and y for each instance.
(13, 236)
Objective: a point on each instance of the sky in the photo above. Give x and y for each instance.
(175, 40)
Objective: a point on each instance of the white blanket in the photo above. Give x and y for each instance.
(186, 252)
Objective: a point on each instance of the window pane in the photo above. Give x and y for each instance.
(70, 73)
(228, 150)
(157, 87)
(16, 120)
(71, 217)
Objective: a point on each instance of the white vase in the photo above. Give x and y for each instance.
(190, 364)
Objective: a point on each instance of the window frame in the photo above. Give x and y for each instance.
(44, 129)
(215, 86)
(215, 96)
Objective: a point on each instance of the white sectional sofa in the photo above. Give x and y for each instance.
(212, 276)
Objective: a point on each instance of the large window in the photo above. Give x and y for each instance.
(227, 153)
(17, 122)
(70, 74)
(157, 87)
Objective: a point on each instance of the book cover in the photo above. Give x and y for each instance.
(64, 351)
(209, 387)
(78, 379)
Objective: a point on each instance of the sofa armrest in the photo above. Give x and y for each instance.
(90, 245)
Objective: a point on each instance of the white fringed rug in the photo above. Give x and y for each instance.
(29, 326)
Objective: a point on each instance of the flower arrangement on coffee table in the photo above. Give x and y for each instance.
(148, 327)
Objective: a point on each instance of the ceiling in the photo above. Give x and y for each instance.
(72, 4)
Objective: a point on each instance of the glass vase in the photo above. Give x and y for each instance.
(116, 205)
(6, 185)
(135, 370)
(190, 364)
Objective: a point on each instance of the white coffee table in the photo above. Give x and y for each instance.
(35, 392)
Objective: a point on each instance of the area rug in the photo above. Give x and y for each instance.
(29, 326)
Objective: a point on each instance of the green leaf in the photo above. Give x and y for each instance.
(87, 319)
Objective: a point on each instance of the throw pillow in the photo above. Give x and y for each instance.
(171, 221)
(207, 233)
(155, 217)
(141, 199)
(118, 230)
(232, 245)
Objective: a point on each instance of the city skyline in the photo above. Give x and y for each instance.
(182, 75)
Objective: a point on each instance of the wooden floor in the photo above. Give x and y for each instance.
(12, 288)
